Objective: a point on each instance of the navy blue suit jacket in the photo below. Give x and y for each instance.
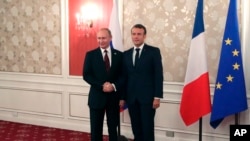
(145, 81)
(95, 74)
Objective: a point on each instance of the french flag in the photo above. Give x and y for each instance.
(195, 101)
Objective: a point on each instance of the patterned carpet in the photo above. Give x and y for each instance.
(10, 131)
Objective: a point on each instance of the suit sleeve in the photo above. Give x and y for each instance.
(88, 75)
(158, 73)
(122, 80)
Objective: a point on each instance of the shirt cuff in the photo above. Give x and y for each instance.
(114, 87)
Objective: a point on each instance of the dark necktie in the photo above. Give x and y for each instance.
(137, 56)
(106, 60)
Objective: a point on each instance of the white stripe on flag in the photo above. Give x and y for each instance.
(197, 63)
(114, 26)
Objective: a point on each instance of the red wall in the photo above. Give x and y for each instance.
(79, 44)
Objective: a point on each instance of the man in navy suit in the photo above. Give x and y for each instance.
(103, 95)
(144, 85)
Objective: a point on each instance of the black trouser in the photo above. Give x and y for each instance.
(142, 120)
(96, 122)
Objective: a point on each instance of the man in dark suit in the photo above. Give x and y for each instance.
(144, 86)
(101, 71)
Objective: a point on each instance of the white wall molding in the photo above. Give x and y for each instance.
(73, 109)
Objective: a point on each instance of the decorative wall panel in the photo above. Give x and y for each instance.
(30, 40)
(31, 101)
(170, 24)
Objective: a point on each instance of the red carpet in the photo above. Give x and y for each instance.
(10, 131)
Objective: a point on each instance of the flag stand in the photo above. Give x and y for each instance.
(200, 129)
(120, 137)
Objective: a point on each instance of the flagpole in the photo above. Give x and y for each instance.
(236, 119)
(200, 129)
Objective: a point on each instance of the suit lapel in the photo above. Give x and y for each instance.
(100, 60)
(130, 57)
(113, 57)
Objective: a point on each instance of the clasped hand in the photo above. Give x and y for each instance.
(107, 87)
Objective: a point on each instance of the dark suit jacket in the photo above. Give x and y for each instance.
(95, 74)
(145, 81)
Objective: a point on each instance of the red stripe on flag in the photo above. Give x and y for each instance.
(195, 100)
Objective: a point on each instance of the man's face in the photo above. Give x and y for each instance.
(138, 36)
(103, 39)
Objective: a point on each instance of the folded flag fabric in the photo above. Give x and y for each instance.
(123, 108)
(195, 101)
(114, 26)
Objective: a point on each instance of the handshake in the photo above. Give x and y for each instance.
(108, 87)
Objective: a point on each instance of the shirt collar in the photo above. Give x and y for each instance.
(108, 49)
(140, 47)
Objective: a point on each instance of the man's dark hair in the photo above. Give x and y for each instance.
(141, 27)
